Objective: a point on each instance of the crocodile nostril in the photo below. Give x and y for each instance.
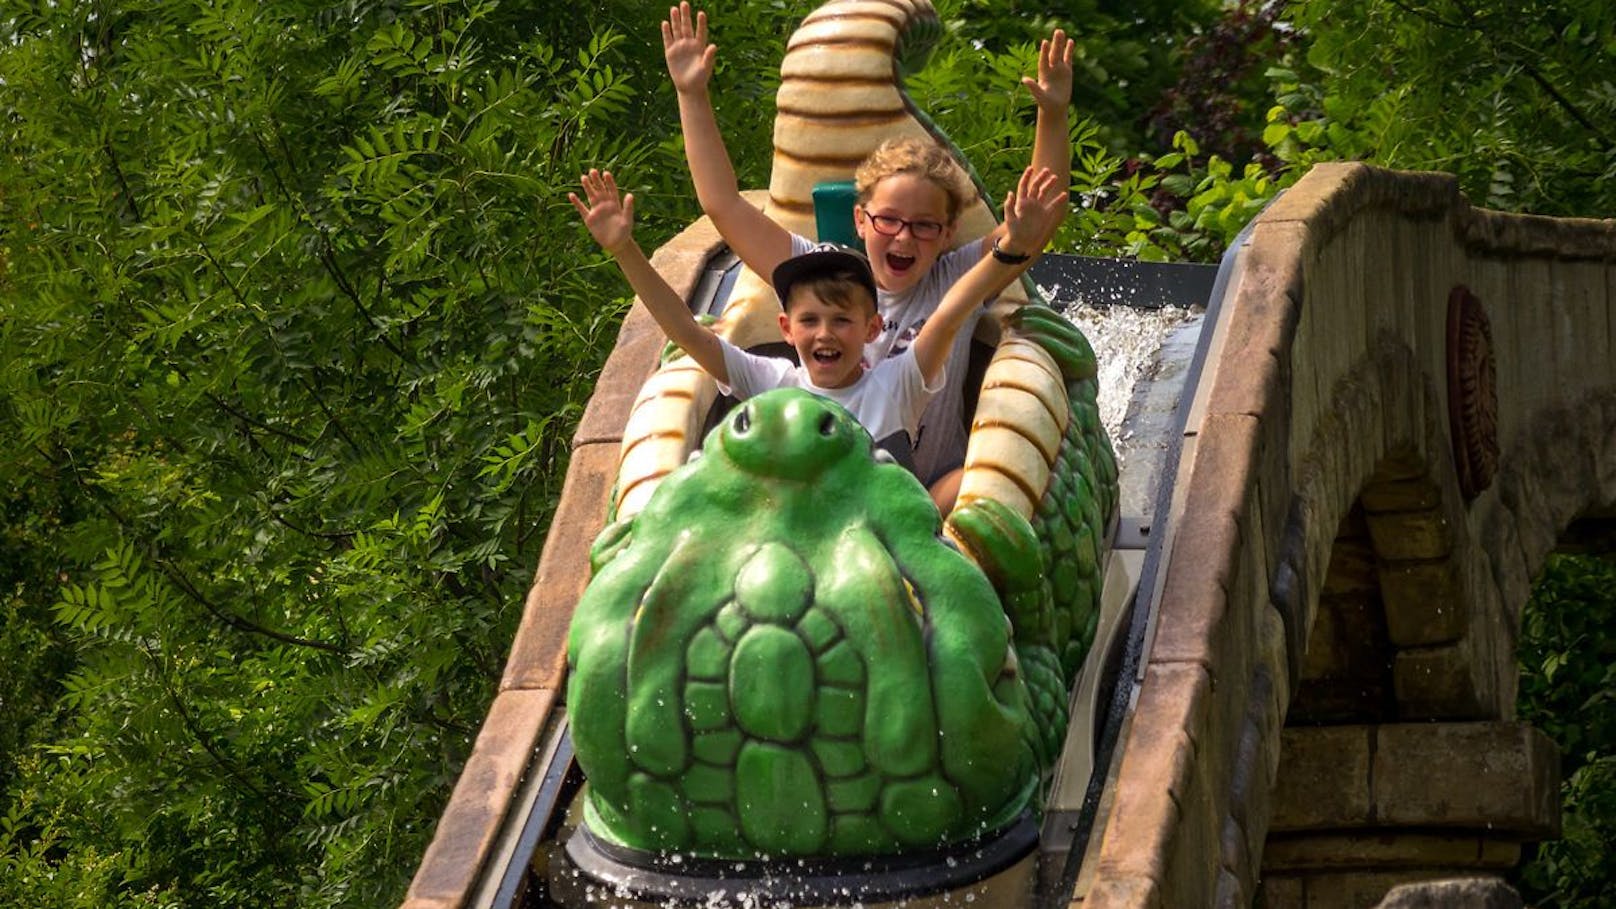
(827, 424)
(743, 420)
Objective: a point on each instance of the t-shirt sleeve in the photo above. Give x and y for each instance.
(909, 386)
(799, 246)
(955, 263)
(749, 373)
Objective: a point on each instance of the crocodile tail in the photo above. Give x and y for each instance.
(841, 95)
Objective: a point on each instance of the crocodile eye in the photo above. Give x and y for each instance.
(743, 420)
(827, 424)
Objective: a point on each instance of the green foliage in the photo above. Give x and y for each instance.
(972, 89)
(296, 324)
(1515, 98)
(1568, 689)
(1126, 54)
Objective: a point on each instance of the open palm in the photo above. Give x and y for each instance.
(1053, 87)
(684, 45)
(609, 217)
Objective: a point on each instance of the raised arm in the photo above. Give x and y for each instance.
(610, 220)
(1051, 140)
(759, 241)
(1031, 212)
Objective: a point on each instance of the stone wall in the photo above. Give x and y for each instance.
(1330, 563)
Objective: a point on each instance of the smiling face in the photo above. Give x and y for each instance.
(901, 260)
(829, 338)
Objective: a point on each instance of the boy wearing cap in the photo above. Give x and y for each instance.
(828, 297)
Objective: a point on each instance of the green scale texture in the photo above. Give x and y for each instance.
(780, 656)
(1047, 572)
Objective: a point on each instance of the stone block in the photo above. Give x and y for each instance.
(1403, 464)
(1323, 780)
(1385, 849)
(1446, 682)
(1503, 778)
(1423, 603)
(1410, 535)
(1417, 494)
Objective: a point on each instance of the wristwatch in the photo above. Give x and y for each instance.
(1009, 258)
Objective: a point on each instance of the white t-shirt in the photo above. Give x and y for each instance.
(942, 433)
(887, 400)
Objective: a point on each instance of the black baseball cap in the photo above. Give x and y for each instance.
(823, 259)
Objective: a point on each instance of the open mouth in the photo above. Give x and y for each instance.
(899, 264)
(827, 357)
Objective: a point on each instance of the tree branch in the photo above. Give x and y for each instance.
(178, 578)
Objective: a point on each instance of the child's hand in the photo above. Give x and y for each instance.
(1032, 211)
(610, 220)
(1053, 87)
(690, 58)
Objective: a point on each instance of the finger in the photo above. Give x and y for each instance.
(628, 207)
(667, 35)
(578, 204)
(701, 26)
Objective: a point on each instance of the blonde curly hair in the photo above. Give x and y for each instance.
(924, 159)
